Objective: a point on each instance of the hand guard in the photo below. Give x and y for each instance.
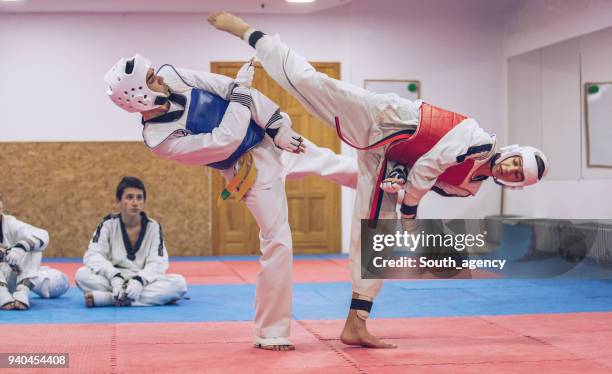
(117, 283)
(15, 256)
(244, 77)
(396, 180)
(392, 185)
(3, 254)
(286, 139)
(134, 288)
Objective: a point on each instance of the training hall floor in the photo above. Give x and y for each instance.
(460, 326)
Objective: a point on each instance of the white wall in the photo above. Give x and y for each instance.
(535, 24)
(52, 66)
(596, 66)
(546, 102)
(574, 198)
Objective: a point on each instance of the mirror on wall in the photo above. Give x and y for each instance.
(598, 114)
(408, 89)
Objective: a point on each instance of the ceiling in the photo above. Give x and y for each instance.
(166, 6)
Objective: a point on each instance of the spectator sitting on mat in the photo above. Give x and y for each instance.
(21, 247)
(126, 261)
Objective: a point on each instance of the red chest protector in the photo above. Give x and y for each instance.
(406, 148)
(434, 124)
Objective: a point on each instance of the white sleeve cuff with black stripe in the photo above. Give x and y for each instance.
(242, 98)
(275, 121)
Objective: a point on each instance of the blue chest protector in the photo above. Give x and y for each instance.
(205, 113)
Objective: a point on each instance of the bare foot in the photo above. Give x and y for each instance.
(355, 332)
(8, 306)
(89, 300)
(18, 305)
(276, 347)
(229, 23)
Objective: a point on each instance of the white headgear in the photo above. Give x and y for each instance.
(530, 164)
(50, 283)
(127, 85)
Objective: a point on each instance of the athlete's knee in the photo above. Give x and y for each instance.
(85, 279)
(178, 284)
(277, 236)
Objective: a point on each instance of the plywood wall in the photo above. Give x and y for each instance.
(68, 187)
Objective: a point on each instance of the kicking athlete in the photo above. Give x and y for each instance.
(199, 118)
(403, 144)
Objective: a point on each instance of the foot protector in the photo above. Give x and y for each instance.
(270, 343)
(22, 295)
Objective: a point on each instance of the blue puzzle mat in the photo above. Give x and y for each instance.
(323, 301)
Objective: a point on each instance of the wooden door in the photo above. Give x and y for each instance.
(314, 204)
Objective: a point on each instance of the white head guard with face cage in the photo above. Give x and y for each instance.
(533, 169)
(50, 283)
(127, 85)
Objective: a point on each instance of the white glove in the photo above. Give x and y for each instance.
(289, 140)
(15, 256)
(245, 74)
(117, 284)
(396, 179)
(134, 289)
(392, 185)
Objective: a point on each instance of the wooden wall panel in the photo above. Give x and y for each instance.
(314, 203)
(68, 187)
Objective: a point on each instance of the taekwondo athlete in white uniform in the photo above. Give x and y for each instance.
(126, 260)
(403, 145)
(21, 248)
(199, 118)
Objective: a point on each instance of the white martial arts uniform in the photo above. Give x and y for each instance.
(366, 117)
(266, 199)
(110, 252)
(14, 232)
